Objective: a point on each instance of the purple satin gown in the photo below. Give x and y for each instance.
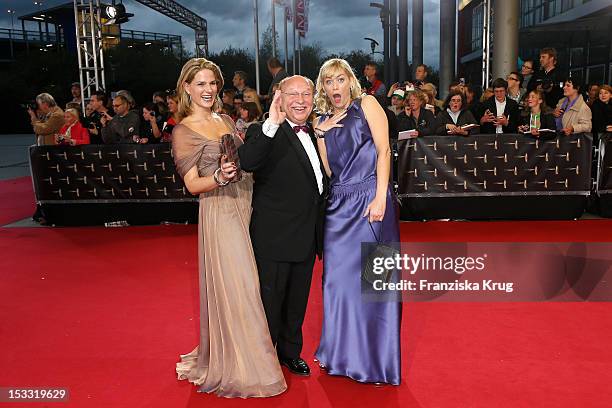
(359, 339)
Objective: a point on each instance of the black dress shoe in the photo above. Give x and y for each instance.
(296, 365)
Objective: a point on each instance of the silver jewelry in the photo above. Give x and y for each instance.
(319, 133)
(216, 178)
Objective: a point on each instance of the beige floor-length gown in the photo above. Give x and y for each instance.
(235, 357)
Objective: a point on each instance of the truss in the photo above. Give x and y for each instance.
(89, 47)
(175, 11)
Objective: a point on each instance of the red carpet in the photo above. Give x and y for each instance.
(16, 200)
(106, 312)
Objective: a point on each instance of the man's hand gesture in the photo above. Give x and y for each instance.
(276, 115)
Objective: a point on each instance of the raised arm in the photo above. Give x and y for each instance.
(258, 141)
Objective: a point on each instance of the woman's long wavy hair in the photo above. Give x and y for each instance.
(330, 68)
(189, 71)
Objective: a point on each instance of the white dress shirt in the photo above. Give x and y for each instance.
(269, 129)
(501, 106)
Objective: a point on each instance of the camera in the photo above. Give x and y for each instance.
(546, 83)
(168, 128)
(365, 84)
(29, 105)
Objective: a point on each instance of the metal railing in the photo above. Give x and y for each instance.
(29, 35)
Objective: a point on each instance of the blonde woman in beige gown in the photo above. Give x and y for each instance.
(235, 356)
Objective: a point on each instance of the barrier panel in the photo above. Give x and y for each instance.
(509, 176)
(95, 184)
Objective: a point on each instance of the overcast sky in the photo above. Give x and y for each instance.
(338, 25)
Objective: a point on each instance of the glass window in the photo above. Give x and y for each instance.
(577, 57)
(477, 27)
(596, 74)
(531, 12)
(577, 73)
(598, 54)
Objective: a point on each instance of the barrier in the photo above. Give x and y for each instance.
(510, 176)
(604, 176)
(95, 184)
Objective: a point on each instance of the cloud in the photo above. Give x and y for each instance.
(338, 25)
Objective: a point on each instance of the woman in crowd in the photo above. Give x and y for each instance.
(488, 92)
(235, 356)
(433, 105)
(572, 114)
(515, 90)
(72, 133)
(173, 117)
(248, 116)
(358, 340)
(415, 116)
(537, 119)
(250, 95)
(150, 129)
(602, 111)
(455, 116)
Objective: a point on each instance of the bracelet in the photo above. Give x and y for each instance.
(319, 133)
(216, 178)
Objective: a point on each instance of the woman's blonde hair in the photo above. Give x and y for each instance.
(189, 71)
(329, 68)
(251, 92)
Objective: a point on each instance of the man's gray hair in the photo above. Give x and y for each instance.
(46, 98)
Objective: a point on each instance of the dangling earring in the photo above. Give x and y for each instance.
(189, 97)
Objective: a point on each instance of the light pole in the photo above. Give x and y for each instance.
(384, 19)
(12, 12)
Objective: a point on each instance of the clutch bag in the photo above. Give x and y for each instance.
(230, 150)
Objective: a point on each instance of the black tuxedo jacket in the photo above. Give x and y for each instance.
(511, 110)
(288, 211)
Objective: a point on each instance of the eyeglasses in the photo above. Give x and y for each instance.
(527, 67)
(305, 95)
(116, 106)
(512, 78)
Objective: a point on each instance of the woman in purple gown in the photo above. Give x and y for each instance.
(359, 339)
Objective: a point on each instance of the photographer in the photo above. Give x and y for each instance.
(547, 79)
(52, 121)
(150, 130)
(173, 119)
(72, 133)
(93, 123)
(122, 128)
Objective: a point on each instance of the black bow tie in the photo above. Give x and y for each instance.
(303, 128)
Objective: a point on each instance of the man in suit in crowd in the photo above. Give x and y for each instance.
(500, 114)
(288, 207)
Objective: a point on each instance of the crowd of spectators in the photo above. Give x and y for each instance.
(532, 101)
(525, 101)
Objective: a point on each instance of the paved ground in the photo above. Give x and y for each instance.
(14, 155)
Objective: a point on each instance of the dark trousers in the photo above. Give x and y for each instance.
(284, 292)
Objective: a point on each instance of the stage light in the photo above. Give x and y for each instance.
(115, 14)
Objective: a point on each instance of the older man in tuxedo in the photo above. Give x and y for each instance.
(288, 206)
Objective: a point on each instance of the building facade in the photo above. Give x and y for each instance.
(580, 31)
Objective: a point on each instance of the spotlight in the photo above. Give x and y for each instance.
(115, 14)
